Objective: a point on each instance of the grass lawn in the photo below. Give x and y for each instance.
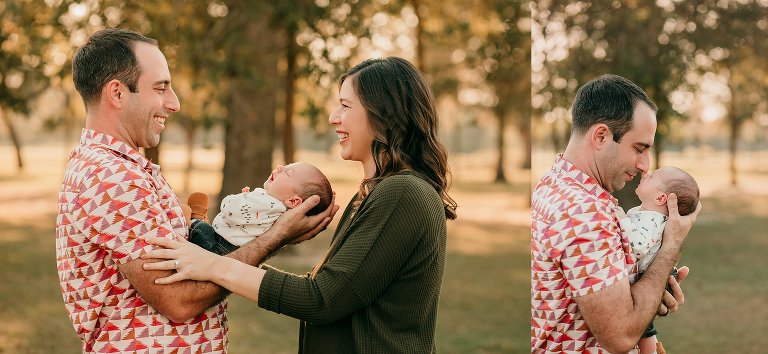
(726, 308)
(484, 306)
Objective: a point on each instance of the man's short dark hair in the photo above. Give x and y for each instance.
(686, 189)
(107, 55)
(608, 99)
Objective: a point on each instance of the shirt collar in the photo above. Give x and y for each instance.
(577, 176)
(92, 137)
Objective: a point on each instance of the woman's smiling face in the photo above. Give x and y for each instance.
(351, 124)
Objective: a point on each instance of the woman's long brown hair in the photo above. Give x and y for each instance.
(402, 117)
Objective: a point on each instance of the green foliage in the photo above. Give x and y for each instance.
(655, 44)
(24, 39)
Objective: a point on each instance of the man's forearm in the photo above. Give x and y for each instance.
(182, 301)
(179, 301)
(618, 314)
(259, 249)
(648, 291)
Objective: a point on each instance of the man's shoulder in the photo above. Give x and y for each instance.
(562, 193)
(97, 162)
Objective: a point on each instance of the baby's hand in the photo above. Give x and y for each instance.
(246, 189)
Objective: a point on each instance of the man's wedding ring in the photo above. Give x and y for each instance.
(176, 264)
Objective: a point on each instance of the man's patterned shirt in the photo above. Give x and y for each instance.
(576, 249)
(112, 197)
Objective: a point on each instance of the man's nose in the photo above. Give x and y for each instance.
(644, 163)
(172, 103)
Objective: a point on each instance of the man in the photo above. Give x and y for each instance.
(112, 198)
(581, 267)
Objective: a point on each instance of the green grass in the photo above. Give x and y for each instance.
(484, 306)
(480, 312)
(726, 306)
(31, 306)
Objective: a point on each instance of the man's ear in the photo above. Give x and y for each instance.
(115, 93)
(661, 199)
(599, 135)
(293, 202)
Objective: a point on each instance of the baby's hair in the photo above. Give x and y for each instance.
(320, 186)
(686, 189)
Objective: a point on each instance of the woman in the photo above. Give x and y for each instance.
(377, 289)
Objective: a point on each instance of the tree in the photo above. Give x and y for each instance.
(24, 37)
(631, 39)
(329, 22)
(509, 75)
(190, 38)
(251, 72)
(732, 38)
(491, 55)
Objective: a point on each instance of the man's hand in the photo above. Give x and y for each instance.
(670, 302)
(677, 227)
(294, 226)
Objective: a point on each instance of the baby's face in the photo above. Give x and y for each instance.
(285, 182)
(653, 185)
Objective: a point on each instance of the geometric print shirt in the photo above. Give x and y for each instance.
(644, 229)
(246, 215)
(576, 249)
(111, 198)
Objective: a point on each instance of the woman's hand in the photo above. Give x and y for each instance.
(189, 260)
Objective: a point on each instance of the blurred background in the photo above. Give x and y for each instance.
(257, 81)
(705, 64)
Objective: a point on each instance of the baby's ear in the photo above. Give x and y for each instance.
(293, 202)
(661, 199)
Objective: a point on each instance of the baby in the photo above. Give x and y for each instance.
(644, 224)
(249, 214)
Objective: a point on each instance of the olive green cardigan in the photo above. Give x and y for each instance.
(378, 287)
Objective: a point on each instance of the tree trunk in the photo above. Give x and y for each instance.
(501, 129)
(153, 154)
(658, 147)
(733, 141)
(190, 131)
(555, 137)
(14, 139)
(420, 60)
(524, 128)
(289, 144)
(249, 129)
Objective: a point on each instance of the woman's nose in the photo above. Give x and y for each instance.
(334, 117)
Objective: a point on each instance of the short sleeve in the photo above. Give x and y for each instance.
(593, 256)
(121, 209)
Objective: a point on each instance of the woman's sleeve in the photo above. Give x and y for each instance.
(378, 243)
